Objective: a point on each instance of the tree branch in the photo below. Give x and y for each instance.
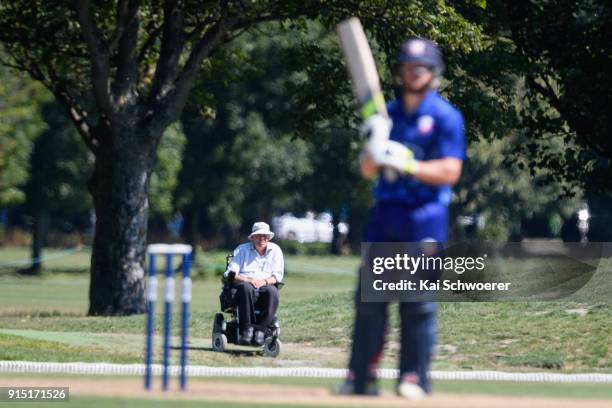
(165, 106)
(79, 119)
(154, 34)
(127, 63)
(212, 38)
(122, 21)
(63, 96)
(77, 115)
(547, 91)
(98, 57)
(171, 49)
(197, 30)
(167, 109)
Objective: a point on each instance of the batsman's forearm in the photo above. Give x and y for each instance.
(369, 169)
(439, 172)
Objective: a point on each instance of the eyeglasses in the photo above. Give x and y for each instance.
(417, 70)
(261, 236)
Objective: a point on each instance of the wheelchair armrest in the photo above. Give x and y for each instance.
(229, 279)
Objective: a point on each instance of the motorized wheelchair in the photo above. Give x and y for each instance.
(225, 331)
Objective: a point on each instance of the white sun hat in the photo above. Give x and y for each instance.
(261, 228)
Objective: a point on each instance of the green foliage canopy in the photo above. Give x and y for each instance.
(20, 123)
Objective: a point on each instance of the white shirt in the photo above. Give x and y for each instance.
(248, 263)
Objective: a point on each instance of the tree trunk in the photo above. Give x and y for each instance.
(190, 228)
(39, 238)
(119, 188)
(336, 243)
(357, 217)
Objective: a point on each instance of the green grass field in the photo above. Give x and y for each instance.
(44, 319)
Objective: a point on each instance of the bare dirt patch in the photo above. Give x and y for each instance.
(201, 390)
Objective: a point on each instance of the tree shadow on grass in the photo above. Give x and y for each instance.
(256, 351)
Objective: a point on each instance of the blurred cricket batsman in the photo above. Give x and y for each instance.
(419, 151)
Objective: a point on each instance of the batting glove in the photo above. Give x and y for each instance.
(396, 156)
(376, 128)
(375, 131)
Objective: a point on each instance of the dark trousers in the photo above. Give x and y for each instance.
(394, 222)
(264, 299)
(418, 337)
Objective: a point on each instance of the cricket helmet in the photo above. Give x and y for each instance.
(424, 52)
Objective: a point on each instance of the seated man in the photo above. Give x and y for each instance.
(258, 266)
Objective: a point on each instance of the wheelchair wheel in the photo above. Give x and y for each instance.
(219, 323)
(219, 339)
(272, 347)
(219, 342)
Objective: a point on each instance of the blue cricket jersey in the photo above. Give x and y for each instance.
(433, 131)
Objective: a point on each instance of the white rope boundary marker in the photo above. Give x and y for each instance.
(32, 367)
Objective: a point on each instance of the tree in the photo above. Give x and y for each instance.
(59, 168)
(328, 121)
(505, 194)
(123, 71)
(562, 50)
(280, 83)
(241, 162)
(21, 123)
(164, 179)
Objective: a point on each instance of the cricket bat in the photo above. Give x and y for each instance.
(362, 68)
(363, 73)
